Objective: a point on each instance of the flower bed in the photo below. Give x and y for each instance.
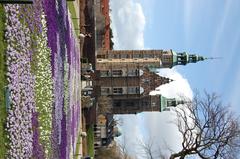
(43, 72)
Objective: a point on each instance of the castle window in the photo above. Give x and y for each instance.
(129, 104)
(104, 73)
(111, 56)
(148, 56)
(101, 56)
(117, 72)
(133, 90)
(117, 104)
(117, 56)
(133, 72)
(146, 81)
(105, 91)
(117, 90)
(137, 56)
(153, 104)
(124, 55)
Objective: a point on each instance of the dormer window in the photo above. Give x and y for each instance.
(146, 81)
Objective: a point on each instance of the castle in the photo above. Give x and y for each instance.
(128, 76)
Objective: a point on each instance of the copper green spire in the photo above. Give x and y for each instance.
(169, 102)
(185, 58)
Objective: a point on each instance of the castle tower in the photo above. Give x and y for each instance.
(144, 58)
(128, 76)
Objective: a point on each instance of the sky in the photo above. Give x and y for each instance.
(208, 28)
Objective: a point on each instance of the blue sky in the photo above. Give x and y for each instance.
(210, 28)
(206, 27)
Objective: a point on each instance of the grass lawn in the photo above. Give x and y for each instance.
(78, 146)
(72, 10)
(3, 83)
(90, 141)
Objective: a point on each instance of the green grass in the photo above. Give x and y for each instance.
(90, 141)
(78, 146)
(3, 83)
(72, 10)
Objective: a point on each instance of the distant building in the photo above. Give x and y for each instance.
(105, 130)
(103, 29)
(128, 76)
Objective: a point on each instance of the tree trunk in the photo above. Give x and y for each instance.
(180, 154)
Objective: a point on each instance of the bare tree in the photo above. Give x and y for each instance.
(147, 148)
(150, 150)
(104, 105)
(108, 153)
(112, 152)
(208, 129)
(123, 149)
(86, 101)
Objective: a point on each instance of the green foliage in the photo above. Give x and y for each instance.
(90, 141)
(104, 105)
(74, 17)
(78, 146)
(3, 83)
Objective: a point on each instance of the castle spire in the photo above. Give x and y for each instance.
(184, 58)
(165, 80)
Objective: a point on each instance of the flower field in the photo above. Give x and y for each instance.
(40, 81)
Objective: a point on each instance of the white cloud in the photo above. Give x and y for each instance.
(128, 22)
(179, 87)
